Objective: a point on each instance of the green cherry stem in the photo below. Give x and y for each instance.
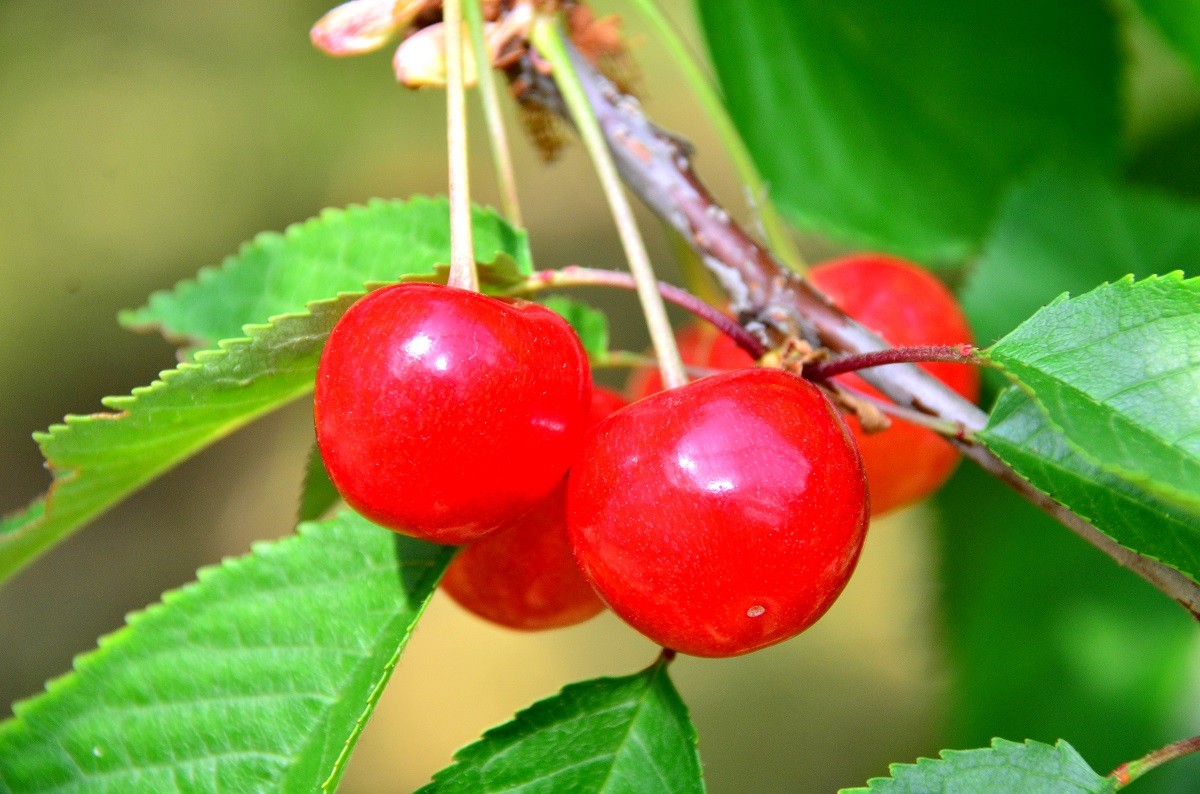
(497, 136)
(1131, 770)
(462, 257)
(549, 43)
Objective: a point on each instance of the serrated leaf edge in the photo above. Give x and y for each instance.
(983, 437)
(360, 723)
(132, 319)
(81, 663)
(997, 744)
(126, 403)
(1184, 499)
(513, 726)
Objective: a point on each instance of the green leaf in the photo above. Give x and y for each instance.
(1118, 373)
(901, 125)
(627, 734)
(258, 677)
(1030, 768)
(338, 251)
(1061, 234)
(1046, 637)
(318, 494)
(99, 459)
(1179, 23)
(1113, 651)
(589, 323)
(1020, 433)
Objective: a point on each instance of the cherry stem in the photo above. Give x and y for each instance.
(942, 427)
(578, 276)
(549, 43)
(462, 257)
(953, 354)
(1131, 770)
(490, 97)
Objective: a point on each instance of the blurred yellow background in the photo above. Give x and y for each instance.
(141, 141)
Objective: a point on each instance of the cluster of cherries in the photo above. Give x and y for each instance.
(716, 518)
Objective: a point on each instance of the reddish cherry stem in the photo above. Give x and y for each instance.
(577, 276)
(1130, 771)
(953, 354)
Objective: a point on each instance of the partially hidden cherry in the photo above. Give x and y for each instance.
(700, 345)
(722, 516)
(906, 306)
(442, 413)
(523, 575)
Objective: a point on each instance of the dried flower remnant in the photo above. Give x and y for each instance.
(362, 26)
(420, 60)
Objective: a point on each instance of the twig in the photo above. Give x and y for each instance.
(1175, 584)
(768, 299)
(462, 257)
(701, 83)
(549, 43)
(497, 136)
(777, 304)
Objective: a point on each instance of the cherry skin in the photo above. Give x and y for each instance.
(443, 413)
(523, 575)
(722, 516)
(906, 306)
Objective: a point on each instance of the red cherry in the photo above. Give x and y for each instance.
(523, 576)
(443, 413)
(700, 345)
(906, 306)
(723, 516)
(604, 403)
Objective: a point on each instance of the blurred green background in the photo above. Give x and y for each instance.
(141, 141)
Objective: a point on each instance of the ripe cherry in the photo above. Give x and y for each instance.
(443, 413)
(523, 575)
(723, 516)
(906, 306)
